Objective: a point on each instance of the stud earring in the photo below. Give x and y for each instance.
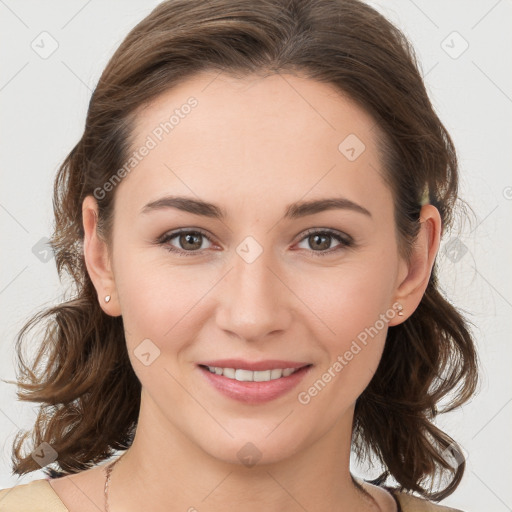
(400, 310)
(107, 299)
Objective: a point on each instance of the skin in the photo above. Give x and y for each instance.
(252, 146)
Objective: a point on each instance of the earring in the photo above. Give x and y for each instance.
(400, 309)
(107, 299)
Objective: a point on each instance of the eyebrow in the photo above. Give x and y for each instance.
(293, 211)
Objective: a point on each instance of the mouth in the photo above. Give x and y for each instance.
(242, 375)
(254, 383)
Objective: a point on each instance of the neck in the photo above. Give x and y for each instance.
(164, 468)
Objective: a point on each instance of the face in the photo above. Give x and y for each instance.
(256, 279)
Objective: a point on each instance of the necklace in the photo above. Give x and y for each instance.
(108, 471)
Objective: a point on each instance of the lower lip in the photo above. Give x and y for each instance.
(254, 392)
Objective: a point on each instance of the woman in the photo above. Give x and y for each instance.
(251, 220)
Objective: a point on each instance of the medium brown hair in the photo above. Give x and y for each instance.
(81, 374)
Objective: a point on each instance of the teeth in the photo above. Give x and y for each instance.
(262, 376)
(250, 376)
(275, 374)
(229, 373)
(244, 375)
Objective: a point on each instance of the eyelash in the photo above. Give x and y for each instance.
(345, 241)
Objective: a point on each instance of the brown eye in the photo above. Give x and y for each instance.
(185, 242)
(190, 240)
(319, 242)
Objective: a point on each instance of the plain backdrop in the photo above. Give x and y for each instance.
(52, 54)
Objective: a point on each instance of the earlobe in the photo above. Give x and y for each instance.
(411, 288)
(97, 259)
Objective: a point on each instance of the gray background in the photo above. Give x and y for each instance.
(52, 54)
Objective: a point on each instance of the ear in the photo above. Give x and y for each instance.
(97, 259)
(415, 274)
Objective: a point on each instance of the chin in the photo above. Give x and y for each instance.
(255, 445)
(250, 454)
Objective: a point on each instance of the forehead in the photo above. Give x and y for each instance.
(254, 136)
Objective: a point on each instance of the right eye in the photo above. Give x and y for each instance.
(189, 241)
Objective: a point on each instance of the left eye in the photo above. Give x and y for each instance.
(320, 241)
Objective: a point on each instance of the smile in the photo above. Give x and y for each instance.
(253, 382)
(252, 376)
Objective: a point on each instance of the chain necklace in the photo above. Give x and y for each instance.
(108, 471)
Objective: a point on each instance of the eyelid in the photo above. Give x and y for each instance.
(171, 234)
(330, 231)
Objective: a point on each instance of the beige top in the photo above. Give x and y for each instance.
(39, 496)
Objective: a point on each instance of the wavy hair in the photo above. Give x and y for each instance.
(81, 375)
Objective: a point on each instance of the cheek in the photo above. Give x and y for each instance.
(352, 353)
(347, 299)
(353, 307)
(161, 304)
(159, 301)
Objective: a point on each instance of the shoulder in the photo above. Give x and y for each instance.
(410, 503)
(36, 496)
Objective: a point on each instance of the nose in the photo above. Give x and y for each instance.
(254, 300)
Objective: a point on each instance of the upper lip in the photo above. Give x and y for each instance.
(269, 364)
